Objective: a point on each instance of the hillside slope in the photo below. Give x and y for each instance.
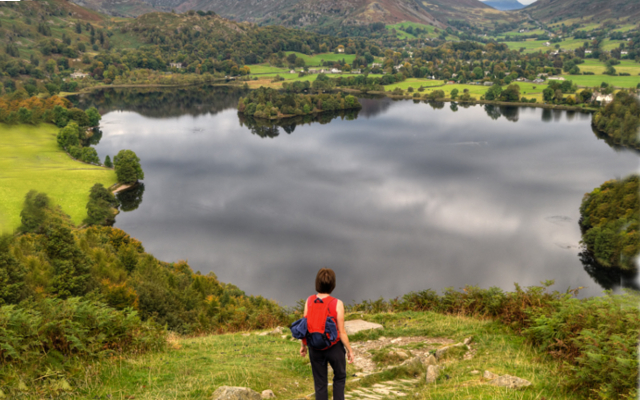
(505, 5)
(313, 14)
(596, 10)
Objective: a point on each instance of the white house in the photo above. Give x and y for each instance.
(603, 99)
(78, 75)
(175, 65)
(624, 53)
(588, 52)
(335, 71)
(556, 78)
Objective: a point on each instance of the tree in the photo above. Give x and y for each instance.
(548, 94)
(33, 214)
(493, 93)
(100, 208)
(69, 136)
(127, 165)
(12, 273)
(70, 265)
(511, 94)
(454, 93)
(94, 116)
(107, 162)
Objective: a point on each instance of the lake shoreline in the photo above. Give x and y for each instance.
(351, 91)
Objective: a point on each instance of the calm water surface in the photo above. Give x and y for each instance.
(404, 197)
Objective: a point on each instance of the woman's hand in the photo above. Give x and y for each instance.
(350, 355)
(303, 350)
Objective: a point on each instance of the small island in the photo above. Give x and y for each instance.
(267, 103)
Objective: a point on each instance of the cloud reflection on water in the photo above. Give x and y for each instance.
(388, 200)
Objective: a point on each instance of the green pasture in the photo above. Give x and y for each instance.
(596, 80)
(266, 69)
(317, 59)
(531, 46)
(30, 159)
(404, 35)
(192, 368)
(528, 90)
(598, 67)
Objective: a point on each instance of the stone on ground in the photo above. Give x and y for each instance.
(430, 360)
(235, 393)
(432, 373)
(440, 352)
(358, 325)
(511, 382)
(268, 394)
(489, 375)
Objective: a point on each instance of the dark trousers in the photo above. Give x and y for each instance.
(334, 356)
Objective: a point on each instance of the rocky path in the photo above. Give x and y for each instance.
(385, 390)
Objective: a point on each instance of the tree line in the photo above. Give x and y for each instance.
(270, 103)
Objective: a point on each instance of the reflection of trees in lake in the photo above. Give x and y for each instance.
(271, 128)
(511, 113)
(616, 146)
(162, 102)
(373, 105)
(608, 278)
(96, 135)
(492, 111)
(131, 199)
(453, 106)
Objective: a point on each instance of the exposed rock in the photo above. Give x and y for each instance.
(511, 382)
(417, 361)
(433, 371)
(430, 360)
(489, 375)
(358, 325)
(468, 340)
(382, 338)
(402, 354)
(268, 394)
(235, 393)
(474, 372)
(440, 352)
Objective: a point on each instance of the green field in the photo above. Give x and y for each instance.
(30, 159)
(317, 59)
(194, 367)
(528, 90)
(532, 46)
(596, 80)
(404, 35)
(267, 69)
(598, 67)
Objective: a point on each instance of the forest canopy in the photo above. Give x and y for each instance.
(609, 222)
(271, 104)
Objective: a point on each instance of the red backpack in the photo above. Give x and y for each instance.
(322, 322)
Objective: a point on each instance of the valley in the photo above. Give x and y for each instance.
(174, 173)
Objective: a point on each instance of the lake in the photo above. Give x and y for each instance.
(397, 197)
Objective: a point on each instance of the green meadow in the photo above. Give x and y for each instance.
(532, 46)
(30, 159)
(596, 80)
(316, 59)
(192, 368)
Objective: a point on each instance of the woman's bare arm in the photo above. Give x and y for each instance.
(303, 347)
(343, 332)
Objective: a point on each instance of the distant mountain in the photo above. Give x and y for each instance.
(505, 5)
(313, 13)
(117, 8)
(595, 10)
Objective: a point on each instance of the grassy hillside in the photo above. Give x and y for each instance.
(31, 159)
(195, 367)
(596, 10)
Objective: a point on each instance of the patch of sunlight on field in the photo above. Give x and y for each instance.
(30, 159)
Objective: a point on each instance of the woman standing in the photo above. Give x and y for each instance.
(335, 354)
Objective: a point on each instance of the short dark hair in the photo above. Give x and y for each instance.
(325, 281)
